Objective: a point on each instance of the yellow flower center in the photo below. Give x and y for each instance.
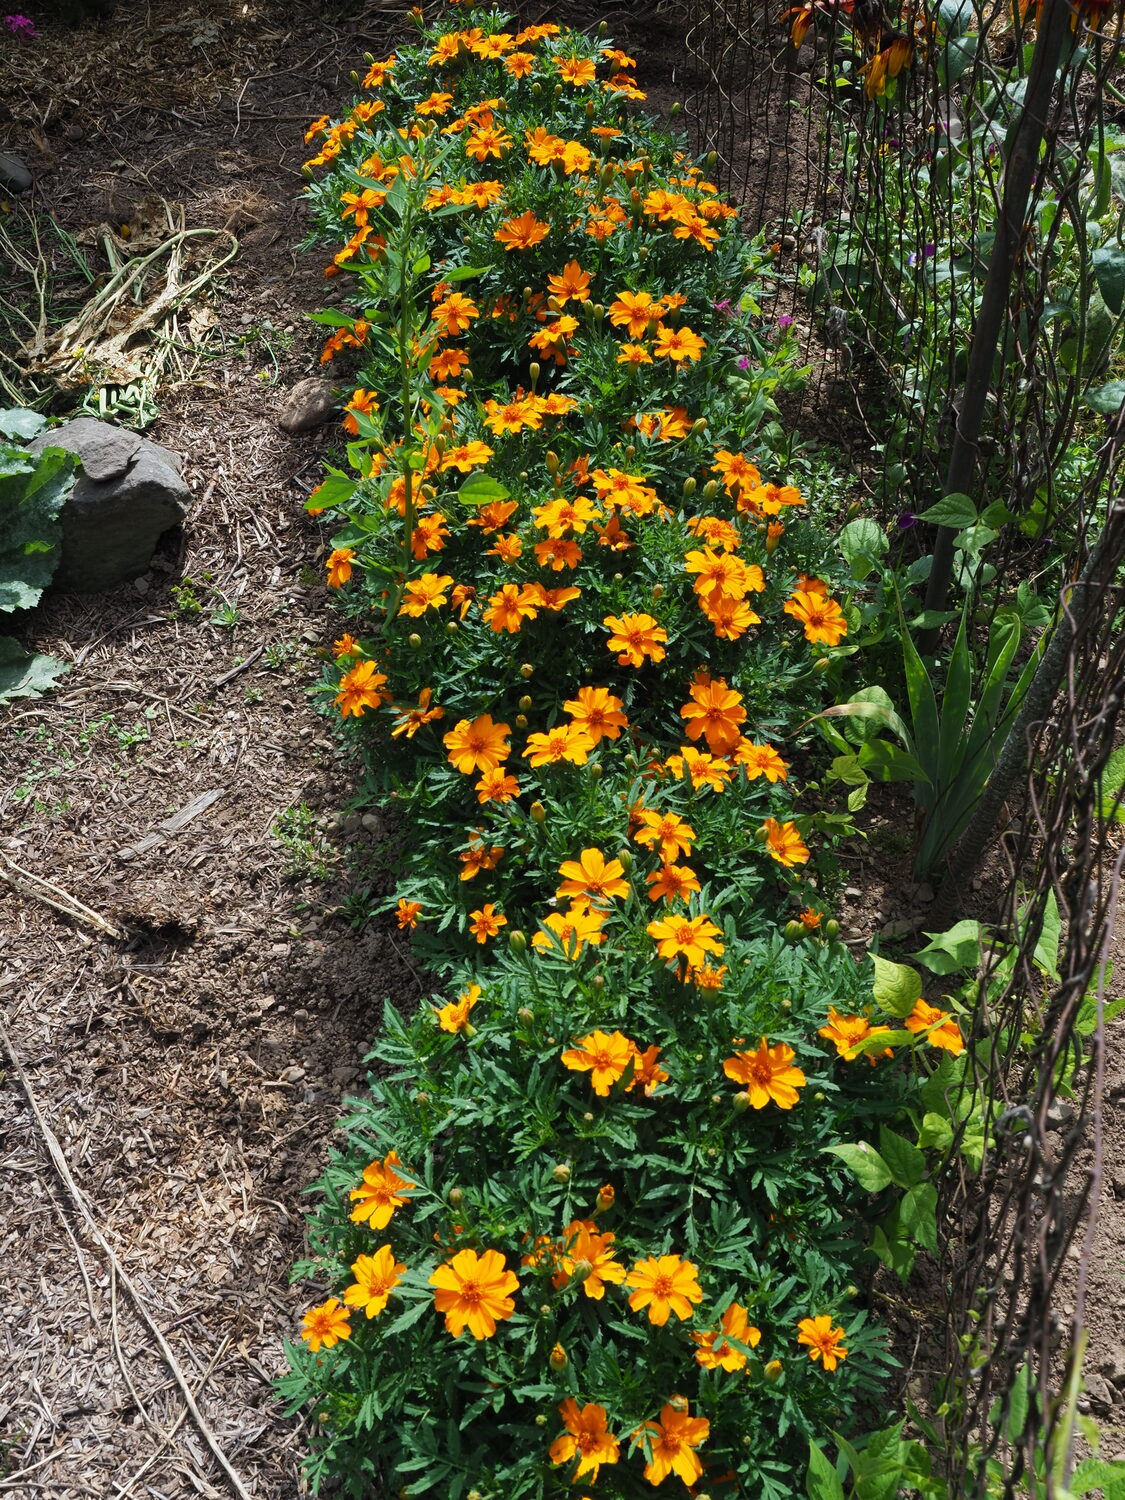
(662, 1286)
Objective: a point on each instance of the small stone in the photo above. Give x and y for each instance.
(1060, 1112)
(309, 404)
(142, 585)
(897, 929)
(372, 823)
(853, 891)
(1113, 1366)
(14, 176)
(1098, 1391)
(293, 1074)
(342, 1076)
(925, 892)
(280, 950)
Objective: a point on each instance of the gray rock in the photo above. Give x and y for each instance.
(13, 174)
(1112, 1366)
(128, 493)
(309, 404)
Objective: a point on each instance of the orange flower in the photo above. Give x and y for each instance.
(563, 742)
(677, 344)
(715, 712)
(522, 233)
(822, 617)
(447, 364)
(360, 689)
(362, 402)
(409, 722)
(465, 457)
(691, 938)
(558, 553)
(761, 760)
(454, 1017)
(946, 1033)
(810, 920)
(571, 930)
(824, 1342)
(488, 141)
(649, 1074)
(436, 104)
(672, 883)
(598, 712)
(380, 1193)
(666, 833)
(509, 608)
(576, 70)
(473, 1291)
(785, 843)
(587, 1253)
(768, 1075)
(486, 922)
(454, 314)
(846, 1032)
(736, 469)
(347, 645)
(635, 311)
(604, 1056)
(325, 1325)
(479, 856)
(430, 535)
(407, 914)
(477, 746)
(593, 876)
(587, 1436)
(715, 1353)
(562, 515)
(519, 64)
(635, 637)
(672, 1441)
(339, 566)
(376, 1277)
(664, 1285)
(512, 416)
(572, 281)
(421, 594)
(497, 786)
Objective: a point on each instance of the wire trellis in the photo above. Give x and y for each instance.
(878, 144)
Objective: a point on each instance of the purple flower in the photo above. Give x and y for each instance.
(743, 362)
(906, 520)
(723, 307)
(784, 322)
(21, 26)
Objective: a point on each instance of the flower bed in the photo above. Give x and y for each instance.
(589, 1225)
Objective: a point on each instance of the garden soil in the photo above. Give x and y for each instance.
(167, 1095)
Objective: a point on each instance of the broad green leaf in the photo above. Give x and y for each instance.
(936, 1131)
(957, 948)
(33, 489)
(481, 489)
(822, 1482)
(864, 710)
(864, 1163)
(897, 987)
(956, 510)
(905, 1162)
(21, 422)
(885, 762)
(1112, 781)
(1109, 268)
(26, 676)
(1047, 948)
(917, 1213)
(1106, 399)
(463, 273)
(862, 544)
(1097, 1474)
(334, 490)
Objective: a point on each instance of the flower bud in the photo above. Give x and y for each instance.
(451, 627)
(631, 452)
(772, 1371)
(544, 1309)
(761, 833)
(602, 28)
(742, 1101)
(538, 812)
(618, 577)
(422, 1098)
(534, 372)
(597, 984)
(595, 769)
(821, 664)
(525, 1014)
(699, 426)
(793, 932)
(541, 1417)
(851, 1291)
(521, 721)
(456, 1197)
(524, 703)
(678, 1403)
(588, 1117)
(552, 461)
(675, 109)
(716, 1098)
(711, 489)
(690, 484)
(517, 942)
(557, 1359)
(527, 670)
(819, 1096)
(832, 928)
(658, 591)
(536, 89)
(414, 641)
(606, 1198)
(583, 1270)
(711, 158)
(560, 1172)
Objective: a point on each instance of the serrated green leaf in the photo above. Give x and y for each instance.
(905, 1162)
(955, 510)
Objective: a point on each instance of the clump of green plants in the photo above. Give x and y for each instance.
(309, 855)
(597, 1217)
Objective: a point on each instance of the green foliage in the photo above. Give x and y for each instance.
(33, 489)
